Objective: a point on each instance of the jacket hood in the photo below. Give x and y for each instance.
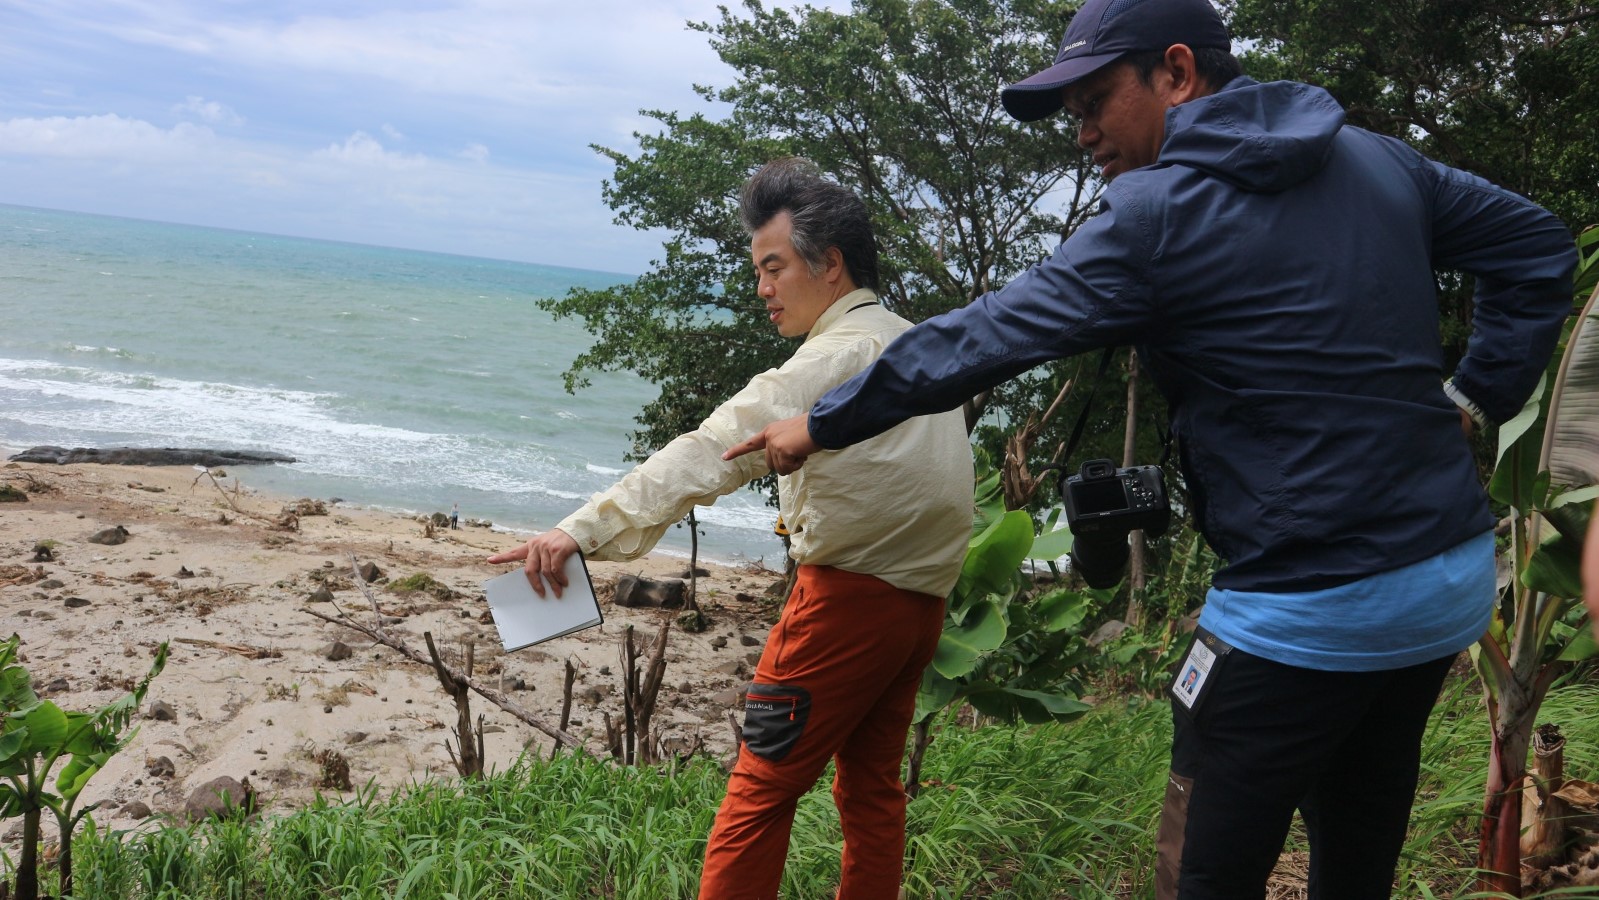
(1260, 137)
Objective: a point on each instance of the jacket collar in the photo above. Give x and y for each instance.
(842, 305)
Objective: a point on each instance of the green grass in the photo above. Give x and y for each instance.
(1028, 812)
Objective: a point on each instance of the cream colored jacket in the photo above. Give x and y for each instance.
(898, 506)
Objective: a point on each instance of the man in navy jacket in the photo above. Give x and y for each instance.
(1274, 266)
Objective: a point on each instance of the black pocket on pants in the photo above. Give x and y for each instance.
(774, 719)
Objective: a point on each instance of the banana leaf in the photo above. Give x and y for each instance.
(1033, 707)
(991, 561)
(961, 646)
(1571, 440)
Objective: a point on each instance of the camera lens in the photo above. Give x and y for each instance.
(1100, 558)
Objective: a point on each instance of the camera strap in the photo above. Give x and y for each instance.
(1082, 417)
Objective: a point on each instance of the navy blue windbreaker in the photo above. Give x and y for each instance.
(1274, 268)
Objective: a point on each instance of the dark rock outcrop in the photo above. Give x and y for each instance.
(150, 456)
(110, 536)
(636, 590)
(220, 797)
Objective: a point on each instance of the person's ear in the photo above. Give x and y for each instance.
(835, 264)
(1182, 70)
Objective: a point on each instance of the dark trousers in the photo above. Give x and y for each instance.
(1344, 748)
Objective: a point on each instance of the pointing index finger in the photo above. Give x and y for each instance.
(758, 442)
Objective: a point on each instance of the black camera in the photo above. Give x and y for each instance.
(1103, 504)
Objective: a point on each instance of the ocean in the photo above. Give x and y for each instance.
(401, 380)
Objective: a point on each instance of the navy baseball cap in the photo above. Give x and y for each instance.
(1104, 31)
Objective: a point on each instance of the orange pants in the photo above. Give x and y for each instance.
(837, 679)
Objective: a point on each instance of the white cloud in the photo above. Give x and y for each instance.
(539, 54)
(353, 190)
(538, 80)
(103, 137)
(362, 149)
(208, 111)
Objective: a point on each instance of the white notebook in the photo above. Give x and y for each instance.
(524, 618)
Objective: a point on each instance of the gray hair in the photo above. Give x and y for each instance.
(824, 214)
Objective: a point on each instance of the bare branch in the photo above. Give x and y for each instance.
(495, 697)
(1573, 19)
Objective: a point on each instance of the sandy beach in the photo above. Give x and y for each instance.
(250, 686)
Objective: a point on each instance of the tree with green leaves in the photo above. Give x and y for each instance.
(1507, 90)
(899, 100)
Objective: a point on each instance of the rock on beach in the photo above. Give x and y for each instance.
(150, 456)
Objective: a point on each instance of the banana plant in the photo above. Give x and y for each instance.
(1548, 475)
(35, 735)
(1008, 656)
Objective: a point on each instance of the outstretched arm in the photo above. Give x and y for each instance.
(787, 443)
(546, 556)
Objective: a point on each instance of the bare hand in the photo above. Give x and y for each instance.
(787, 443)
(1467, 423)
(546, 556)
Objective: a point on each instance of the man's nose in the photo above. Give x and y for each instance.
(1087, 134)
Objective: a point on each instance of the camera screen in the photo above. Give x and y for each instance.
(1093, 497)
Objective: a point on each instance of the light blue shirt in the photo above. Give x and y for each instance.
(1423, 611)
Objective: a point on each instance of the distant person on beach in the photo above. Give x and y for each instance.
(1275, 268)
(455, 515)
(879, 532)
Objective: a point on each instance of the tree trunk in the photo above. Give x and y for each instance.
(629, 688)
(1135, 554)
(28, 865)
(470, 761)
(1512, 713)
(693, 561)
(1499, 848)
(973, 410)
(921, 734)
(67, 826)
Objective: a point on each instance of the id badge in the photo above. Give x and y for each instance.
(1205, 655)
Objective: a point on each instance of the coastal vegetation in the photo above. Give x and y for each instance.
(1548, 478)
(35, 735)
(1041, 742)
(1043, 811)
(897, 99)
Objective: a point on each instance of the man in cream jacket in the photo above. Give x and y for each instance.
(879, 532)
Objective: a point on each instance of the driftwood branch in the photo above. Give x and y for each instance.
(287, 521)
(498, 698)
(470, 761)
(646, 694)
(566, 703)
(242, 649)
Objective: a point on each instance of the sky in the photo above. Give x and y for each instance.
(461, 126)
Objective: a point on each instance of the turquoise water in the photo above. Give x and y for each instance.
(400, 379)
